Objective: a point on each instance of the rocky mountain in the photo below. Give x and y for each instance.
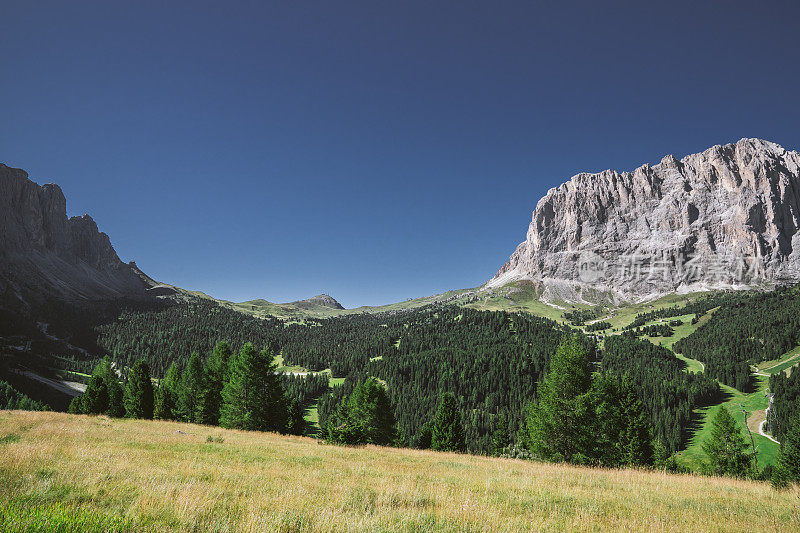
(45, 255)
(316, 302)
(724, 218)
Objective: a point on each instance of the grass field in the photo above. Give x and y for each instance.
(80, 473)
(782, 364)
(755, 403)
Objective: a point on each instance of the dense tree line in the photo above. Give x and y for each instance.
(579, 317)
(598, 326)
(344, 344)
(785, 402)
(233, 390)
(697, 307)
(653, 330)
(669, 393)
(490, 361)
(11, 398)
(171, 333)
(746, 330)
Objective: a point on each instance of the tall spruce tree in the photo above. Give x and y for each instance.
(215, 373)
(500, 437)
(726, 448)
(253, 397)
(95, 399)
(637, 437)
(297, 421)
(116, 406)
(139, 392)
(190, 389)
(558, 425)
(364, 417)
(789, 461)
(167, 394)
(447, 434)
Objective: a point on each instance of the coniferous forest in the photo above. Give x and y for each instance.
(755, 327)
(441, 377)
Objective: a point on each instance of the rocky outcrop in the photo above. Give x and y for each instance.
(45, 255)
(726, 217)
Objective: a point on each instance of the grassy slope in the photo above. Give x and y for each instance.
(755, 403)
(91, 473)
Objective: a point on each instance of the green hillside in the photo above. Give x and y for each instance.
(79, 473)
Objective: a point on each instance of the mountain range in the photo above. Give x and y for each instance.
(727, 217)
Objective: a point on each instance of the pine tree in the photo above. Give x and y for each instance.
(558, 425)
(789, 461)
(105, 370)
(364, 417)
(190, 389)
(636, 439)
(447, 434)
(425, 436)
(253, 397)
(726, 448)
(297, 421)
(167, 394)
(500, 438)
(76, 406)
(95, 400)
(139, 392)
(215, 371)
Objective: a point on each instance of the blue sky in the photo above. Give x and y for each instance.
(373, 150)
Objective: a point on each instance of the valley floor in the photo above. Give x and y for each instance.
(67, 472)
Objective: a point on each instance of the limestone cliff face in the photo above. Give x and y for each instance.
(44, 254)
(725, 217)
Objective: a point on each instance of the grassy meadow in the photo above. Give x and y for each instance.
(81, 473)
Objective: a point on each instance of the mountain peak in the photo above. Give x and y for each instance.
(727, 217)
(320, 300)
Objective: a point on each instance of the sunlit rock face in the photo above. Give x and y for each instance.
(726, 217)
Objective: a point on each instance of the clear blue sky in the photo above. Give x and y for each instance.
(374, 150)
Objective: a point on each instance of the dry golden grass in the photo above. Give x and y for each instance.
(83, 473)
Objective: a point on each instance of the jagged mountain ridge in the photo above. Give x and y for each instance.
(46, 255)
(726, 217)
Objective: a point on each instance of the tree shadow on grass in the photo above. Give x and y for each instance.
(696, 422)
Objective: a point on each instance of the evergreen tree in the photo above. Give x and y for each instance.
(139, 392)
(789, 462)
(215, 371)
(500, 438)
(167, 394)
(95, 399)
(105, 370)
(726, 448)
(447, 434)
(253, 398)
(364, 417)
(636, 438)
(297, 421)
(558, 425)
(76, 406)
(425, 436)
(189, 390)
